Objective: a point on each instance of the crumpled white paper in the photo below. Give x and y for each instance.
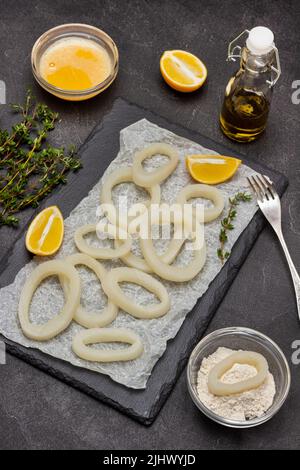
(154, 333)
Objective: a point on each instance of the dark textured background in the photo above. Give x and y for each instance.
(37, 411)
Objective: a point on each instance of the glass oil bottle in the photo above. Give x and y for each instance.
(249, 92)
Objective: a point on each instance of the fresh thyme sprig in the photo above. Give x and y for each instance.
(30, 169)
(227, 223)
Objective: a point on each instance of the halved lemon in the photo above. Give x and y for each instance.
(212, 169)
(45, 234)
(182, 70)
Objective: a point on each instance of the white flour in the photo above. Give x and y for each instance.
(241, 406)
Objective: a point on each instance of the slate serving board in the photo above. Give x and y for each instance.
(100, 148)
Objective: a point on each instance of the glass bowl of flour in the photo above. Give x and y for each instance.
(249, 408)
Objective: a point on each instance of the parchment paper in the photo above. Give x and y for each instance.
(155, 333)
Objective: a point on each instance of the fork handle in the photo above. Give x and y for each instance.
(293, 270)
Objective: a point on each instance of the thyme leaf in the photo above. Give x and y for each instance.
(29, 167)
(227, 223)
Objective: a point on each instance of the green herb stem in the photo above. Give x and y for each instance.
(227, 223)
(29, 168)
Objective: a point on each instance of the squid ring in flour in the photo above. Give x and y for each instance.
(217, 387)
(123, 175)
(102, 252)
(61, 321)
(107, 335)
(148, 179)
(207, 192)
(82, 316)
(113, 290)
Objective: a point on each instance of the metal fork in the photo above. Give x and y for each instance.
(269, 203)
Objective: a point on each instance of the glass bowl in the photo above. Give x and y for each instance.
(81, 31)
(250, 340)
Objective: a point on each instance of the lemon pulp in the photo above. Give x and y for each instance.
(75, 64)
(182, 70)
(212, 169)
(45, 234)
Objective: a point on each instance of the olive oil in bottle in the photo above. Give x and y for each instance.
(248, 94)
(244, 115)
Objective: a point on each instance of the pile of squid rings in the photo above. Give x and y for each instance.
(138, 270)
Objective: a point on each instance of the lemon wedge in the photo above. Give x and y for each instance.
(182, 70)
(45, 234)
(212, 169)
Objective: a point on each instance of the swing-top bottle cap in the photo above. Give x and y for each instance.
(260, 40)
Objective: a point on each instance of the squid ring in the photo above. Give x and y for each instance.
(113, 290)
(148, 179)
(102, 253)
(134, 261)
(217, 387)
(170, 254)
(208, 192)
(92, 319)
(138, 262)
(164, 269)
(123, 175)
(107, 335)
(170, 272)
(61, 321)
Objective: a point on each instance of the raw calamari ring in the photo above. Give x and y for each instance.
(174, 246)
(164, 269)
(219, 388)
(102, 253)
(124, 175)
(137, 262)
(82, 316)
(61, 321)
(207, 192)
(134, 261)
(113, 290)
(107, 335)
(171, 272)
(147, 179)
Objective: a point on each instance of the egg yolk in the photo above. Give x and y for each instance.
(75, 64)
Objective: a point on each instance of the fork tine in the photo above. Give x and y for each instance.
(259, 188)
(263, 188)
(255, 187)
(267, 180)
(251, 184)
(269, 185)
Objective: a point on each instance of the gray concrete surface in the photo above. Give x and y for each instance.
(39, 412)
